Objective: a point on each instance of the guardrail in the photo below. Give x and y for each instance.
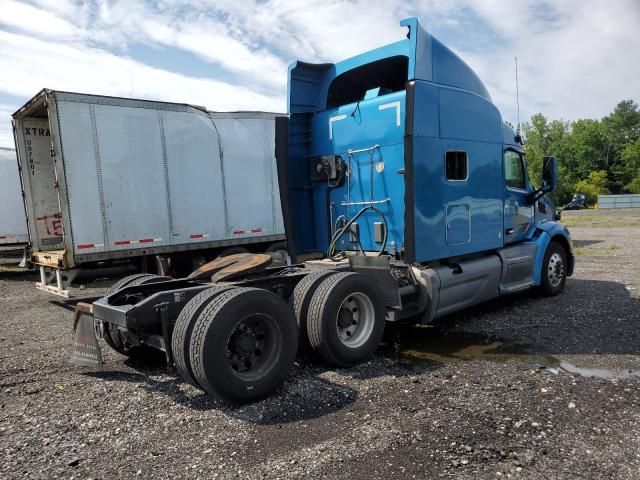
(619, 201)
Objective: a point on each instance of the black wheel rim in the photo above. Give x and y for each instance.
(253, 346)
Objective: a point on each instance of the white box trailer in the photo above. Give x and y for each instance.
(13, 223)
(107, 179)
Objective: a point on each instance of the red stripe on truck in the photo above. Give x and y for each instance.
(146, 240)
(87, 245)
(197, 235)
(122, 242)
(256, 230)
(238, 232)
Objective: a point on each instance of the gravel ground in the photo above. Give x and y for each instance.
(522, 387)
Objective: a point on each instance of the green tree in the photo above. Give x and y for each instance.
(631, 161)
(622, 127)
(595, 184)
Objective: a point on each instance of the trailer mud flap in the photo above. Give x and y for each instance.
(86, 350)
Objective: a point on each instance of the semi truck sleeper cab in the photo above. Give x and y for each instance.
(396, 168)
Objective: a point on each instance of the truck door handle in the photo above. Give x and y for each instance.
(509, 231)
(400, 171)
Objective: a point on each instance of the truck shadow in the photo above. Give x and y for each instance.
(589, 318)
(304, 396)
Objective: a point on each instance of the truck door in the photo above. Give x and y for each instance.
(518, 213)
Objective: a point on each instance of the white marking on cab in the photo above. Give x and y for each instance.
(336, 119)
(395, 105)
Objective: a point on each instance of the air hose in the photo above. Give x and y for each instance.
(334, 255)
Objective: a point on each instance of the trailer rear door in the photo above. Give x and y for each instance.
(38, 171)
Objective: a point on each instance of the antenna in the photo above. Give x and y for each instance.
(517, 97)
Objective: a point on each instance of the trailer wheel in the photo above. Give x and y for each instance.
(243, 344)
(346, 319)
(554, 269)
(181, 336)
(300, 301)
(112, 335)
(232, 251)
(124, 282)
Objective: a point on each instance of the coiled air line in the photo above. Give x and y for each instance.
(334, 255)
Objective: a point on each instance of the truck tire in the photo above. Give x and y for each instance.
(111, 333)
(346, 319)
(243, 344)
(181, 336)
(554, 269)
(300, 300)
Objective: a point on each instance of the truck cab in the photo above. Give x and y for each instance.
(408, 137)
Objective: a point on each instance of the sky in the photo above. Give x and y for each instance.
(576, 58)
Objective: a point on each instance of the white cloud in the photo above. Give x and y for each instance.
(37, 20)
(41, 64)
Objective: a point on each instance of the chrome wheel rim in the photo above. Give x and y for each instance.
(555, 270)
(355, 320)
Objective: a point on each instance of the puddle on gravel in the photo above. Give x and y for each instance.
(433, 345)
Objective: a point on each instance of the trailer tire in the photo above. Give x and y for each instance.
(346, 319)
(300, 301)
(554, 269)
(243, 344)
(181, 336)
(124, 282)
(232, 251)
(111, 333)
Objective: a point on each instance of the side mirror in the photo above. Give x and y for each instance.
(549, 174)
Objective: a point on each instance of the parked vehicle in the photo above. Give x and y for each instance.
(578, 202)
(111, 179)
(398, 168)
(13, 224)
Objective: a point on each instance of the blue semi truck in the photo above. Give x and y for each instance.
(407, 196)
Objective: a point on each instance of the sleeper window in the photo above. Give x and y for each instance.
(513, 170)
(456, 166)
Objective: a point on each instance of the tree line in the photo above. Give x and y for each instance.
(594, 156)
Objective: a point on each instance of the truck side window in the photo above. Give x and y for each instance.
(456, 165)
(514, 170)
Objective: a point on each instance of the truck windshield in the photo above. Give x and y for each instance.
(389, 74)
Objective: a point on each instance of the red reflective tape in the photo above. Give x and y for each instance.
(256, 230)
(3, 237)
(122, 242)
(197, 235)
(87, 245)
(146, 240)
(238, 232)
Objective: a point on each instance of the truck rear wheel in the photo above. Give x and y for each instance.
(181, 336)
(243, 344)
(346, 319)
(300, 301)
(554, 269)
(112, 335)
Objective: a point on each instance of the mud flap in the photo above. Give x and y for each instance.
(86, 350)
